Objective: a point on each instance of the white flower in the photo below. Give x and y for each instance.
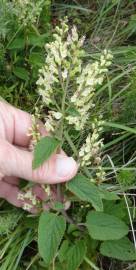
(74, 35)
(90, 150)
(20, 196)
(48, 190)
(91, 76)
(28, 11)
(49, 124)
(27, 206)
(63, 71)
(73, 98)
(56, 115)
(64, 74)
(29, 195)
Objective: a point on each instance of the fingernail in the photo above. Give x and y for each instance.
(66, 167)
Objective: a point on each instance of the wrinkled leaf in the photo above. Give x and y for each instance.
(102, 226)
(116, 209)
(43, 150)
(122, 249)
(63, 250)
(107, 195)
(86, 191)
(50, 232)
(75, 255)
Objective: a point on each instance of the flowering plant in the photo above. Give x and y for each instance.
(67, 87)
(27, 11)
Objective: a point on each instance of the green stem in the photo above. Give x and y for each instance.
(67, 137)
(36, 30)
(34, 259)
(59, 192)
(91, 264)
(84, 169)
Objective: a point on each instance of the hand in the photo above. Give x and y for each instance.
(16, 159)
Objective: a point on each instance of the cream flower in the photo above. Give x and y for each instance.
(90, 151)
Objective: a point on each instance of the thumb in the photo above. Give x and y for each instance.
(17, 162)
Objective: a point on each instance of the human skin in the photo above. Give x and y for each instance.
(16, 159)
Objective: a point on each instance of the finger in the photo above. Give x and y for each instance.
(11, 180)
(39, 192)
(10, 194)
(17, 124)
(14, 161)
(43, 194)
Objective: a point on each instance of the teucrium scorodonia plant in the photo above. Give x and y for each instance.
(67, 87)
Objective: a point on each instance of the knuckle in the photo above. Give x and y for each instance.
(4, 153)
(6, 156)
(40, 174)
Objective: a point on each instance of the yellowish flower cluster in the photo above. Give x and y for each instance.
(67, 88)
(62, 62)
(90, 152)
(28, 10)
(100, 174)
(34, 132)
(51, 120)
(29, 196)
(91, 76)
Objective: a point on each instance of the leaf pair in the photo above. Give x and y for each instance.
(50, 233)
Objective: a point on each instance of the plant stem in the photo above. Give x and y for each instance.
(91, 263)
(59, 193)
(84, 169)
(34, 259)
(63, 211)
(67, 137)
(62, 132)
(35, 30)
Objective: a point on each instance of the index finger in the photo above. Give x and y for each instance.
(17, 124)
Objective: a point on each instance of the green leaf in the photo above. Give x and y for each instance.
(58, 206)
(116, 209)
(72, 111)
(21, 73)
(63, 250)
(36, 40)
(18, 43)
(86, 191)
(107, 195)
(75, 255)
(36, 59)
(122, 249)
(43, 150)
(50, 232)
(102, 226)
